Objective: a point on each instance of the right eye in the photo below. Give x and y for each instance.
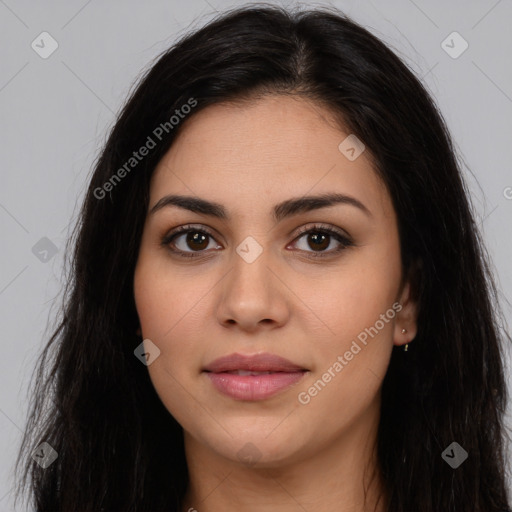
(189, 238)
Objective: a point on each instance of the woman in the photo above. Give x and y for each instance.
(279, 299)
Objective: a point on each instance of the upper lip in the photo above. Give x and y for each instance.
(257, 363)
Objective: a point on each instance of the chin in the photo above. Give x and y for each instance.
(256, 449)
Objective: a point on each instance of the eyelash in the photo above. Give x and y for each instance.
(317, 229)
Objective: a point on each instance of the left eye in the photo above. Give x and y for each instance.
(319, 238)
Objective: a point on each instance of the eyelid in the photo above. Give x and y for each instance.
(320, 226)
(186, 228)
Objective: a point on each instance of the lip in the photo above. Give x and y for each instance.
(283, 374)
(264, 362)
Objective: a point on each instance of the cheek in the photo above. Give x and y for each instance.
(356, 304)
(352, 297)
(165, 318)
(349, 369)
(163, 300)
(172, 310)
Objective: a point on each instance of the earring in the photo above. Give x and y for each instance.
(407, 344)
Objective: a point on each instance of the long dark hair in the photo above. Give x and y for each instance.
(93, 402)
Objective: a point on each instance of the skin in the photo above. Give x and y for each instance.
(249, 157)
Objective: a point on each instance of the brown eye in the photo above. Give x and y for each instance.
(190, 242)
(319, 241)
(197, 240)
(186, 240)
(319, 238)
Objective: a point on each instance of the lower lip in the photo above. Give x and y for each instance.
(253, 387)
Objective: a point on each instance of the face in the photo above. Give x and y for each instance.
(318, 286)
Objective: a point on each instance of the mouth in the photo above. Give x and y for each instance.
(258, 363)
(248, 372)
(252, 378)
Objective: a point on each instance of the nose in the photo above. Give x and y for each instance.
(252, 296)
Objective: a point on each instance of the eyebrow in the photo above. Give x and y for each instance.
(282, 210)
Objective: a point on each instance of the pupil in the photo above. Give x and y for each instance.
(316, 240)
(195, 238)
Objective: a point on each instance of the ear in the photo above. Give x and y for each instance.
(407, 317)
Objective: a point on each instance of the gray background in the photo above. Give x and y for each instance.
(56, 112)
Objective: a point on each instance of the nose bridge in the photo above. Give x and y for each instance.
(251, 291)
(250, 276)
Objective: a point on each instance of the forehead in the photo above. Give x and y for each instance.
(268, 150)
